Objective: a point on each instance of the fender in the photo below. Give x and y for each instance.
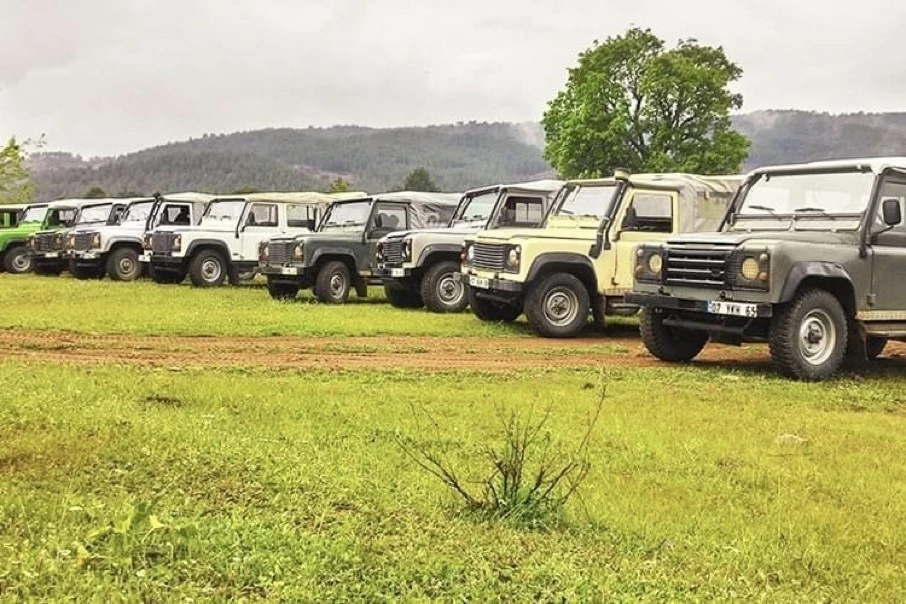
(130, 241)
(216, 243)
(331, 251)
(803, 270)
(560, 258)
(434, 248)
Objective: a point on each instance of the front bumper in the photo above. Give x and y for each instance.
(166, 260)
(281, 270)
(81, 255)
(763, 310)
(383, 272)
(48, 256)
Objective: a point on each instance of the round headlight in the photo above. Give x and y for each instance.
(655, 263)
(750, 269)
(297, 251)
(512, 257)
(470, 253)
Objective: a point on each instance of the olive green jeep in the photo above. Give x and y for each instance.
(807, 259)
(581, 258)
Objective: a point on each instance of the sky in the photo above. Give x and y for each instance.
(105, 77)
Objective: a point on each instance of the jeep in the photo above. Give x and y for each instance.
(14, 256)
(582, 256)
(9, 216)
(807, 259)
(338, 257)
(116, 249)
(48, 246)
(225, 244)
(421, 268)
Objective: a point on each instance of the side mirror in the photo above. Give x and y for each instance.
(891, 211)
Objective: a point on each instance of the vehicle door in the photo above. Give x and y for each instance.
(385, 218)
(888, 254)
(261, 221)
(645, 216)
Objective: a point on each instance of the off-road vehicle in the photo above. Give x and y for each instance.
(809, 259)
(422, 267)
(9, 216)
(116, 249)
(14, 256)
(48, 246)
(581, 258)
(225, 244)
(339, 256)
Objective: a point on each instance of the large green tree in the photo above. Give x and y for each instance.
(15, 184)
(420, 180)
(633, 103)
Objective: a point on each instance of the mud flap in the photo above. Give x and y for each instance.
(856, 348)
(361, 288)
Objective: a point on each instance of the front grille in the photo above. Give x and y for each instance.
(162, 243)
(45, 242)
(280, 252)
(82, 241)
(489, 256)
(697, 266)
(393, 252)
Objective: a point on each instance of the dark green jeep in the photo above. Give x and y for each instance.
(808, 259)
(338, 257)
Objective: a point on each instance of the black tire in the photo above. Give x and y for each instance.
(280, 290)
(441, 292)
(669, 343)
(163, 276)
(557, 306)
(490, 310)
(809, 335)
(208, 268)
(333, 283)
(17, 260)
(123, 265)
(401, 297)
(84, 272)
(874, 346)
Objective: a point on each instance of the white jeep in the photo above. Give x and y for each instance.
(225, 244)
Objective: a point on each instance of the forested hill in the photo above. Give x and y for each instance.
(457, 156)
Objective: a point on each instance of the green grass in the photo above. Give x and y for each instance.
(285, 485)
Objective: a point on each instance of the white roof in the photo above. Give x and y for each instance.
(78, 202)
(188, 196)
(541, 186)
(296, 197)
(875, 164)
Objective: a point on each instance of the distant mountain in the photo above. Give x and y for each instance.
(458, 156)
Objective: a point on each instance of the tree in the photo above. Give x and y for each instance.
(632, 103)
(15, 182)
(338, 186)
(420, 180)
(95, 192)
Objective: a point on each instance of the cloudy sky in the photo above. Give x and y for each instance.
(111, 76)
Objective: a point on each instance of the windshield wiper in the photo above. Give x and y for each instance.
(765, 208)
(817, 210)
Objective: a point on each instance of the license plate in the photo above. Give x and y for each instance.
(479, 282)
(51, 255)
(288, 270)
(397, 272)
(144, 258)
(735, 309)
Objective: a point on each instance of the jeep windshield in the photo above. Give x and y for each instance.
(94, 214)
(223, 212)
(804, 201)
(35, 214)
(344, 215)
(586, 201)
(475, 209)
(137, 213)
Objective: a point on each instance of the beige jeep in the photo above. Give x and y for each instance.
(581, 259)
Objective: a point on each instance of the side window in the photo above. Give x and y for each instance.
(176, 214)
(262, 214)
(892, 189)
(521, 211)
(389, 217)
(649, 212)
(299, 215)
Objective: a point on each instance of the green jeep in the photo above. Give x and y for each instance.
(14, 256)
(807, 259)
(338, 257)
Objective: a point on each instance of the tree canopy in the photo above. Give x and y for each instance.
(15, 184)
(420, 180)
(632, 103)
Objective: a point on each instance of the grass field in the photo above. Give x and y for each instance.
(127, 482)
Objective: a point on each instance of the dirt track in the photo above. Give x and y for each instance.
(430, 353)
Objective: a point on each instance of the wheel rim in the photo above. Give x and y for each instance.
(450, 291)
(817, 337)
(21, 262)
(561, 306)
(211, 270)
(337, 285)
(127, 266)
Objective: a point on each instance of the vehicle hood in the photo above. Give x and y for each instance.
(197, 231)
(768, 237)
(109, 230)
(328, 237)
(577, 234)
(457, 233)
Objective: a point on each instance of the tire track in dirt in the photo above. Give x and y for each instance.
(426, 353)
